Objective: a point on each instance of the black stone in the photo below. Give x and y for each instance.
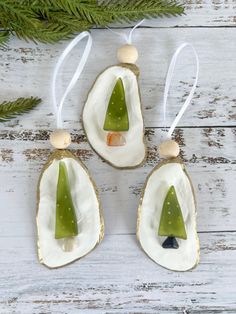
(170, 243)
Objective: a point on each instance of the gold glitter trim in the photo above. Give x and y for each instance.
(164, 162)
(57, 155)
(135, 70)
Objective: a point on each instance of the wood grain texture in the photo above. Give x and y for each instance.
(27, 69)
(118, 278)
(201, 13)
(204, 150)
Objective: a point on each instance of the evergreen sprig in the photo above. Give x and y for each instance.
(4, 37)
(10, 109)
(52, 20)
(131, 10)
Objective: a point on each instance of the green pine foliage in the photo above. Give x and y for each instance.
(132, 10)
(4, 37)
(52, 20)
(10, 109)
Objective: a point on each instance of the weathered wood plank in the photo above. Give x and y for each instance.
(209, 154)
(200, 13)
(118, 278)
(26, 69)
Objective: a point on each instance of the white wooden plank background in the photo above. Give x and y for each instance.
(118, 277)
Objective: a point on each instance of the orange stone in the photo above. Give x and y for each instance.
(115, 139)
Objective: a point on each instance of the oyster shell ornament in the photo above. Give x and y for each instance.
(166, 226)
(112, 115)
(69, 218)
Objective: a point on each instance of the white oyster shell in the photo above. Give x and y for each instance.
(133, 152)
(87, 206)
(150, 208)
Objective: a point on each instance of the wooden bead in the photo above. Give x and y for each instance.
(127, 54)
(169, 149)
(60, 139)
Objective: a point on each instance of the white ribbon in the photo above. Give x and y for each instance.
(127, 38)
(78, 71)
(168, 82)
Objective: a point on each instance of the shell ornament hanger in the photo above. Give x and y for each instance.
(69, 218)
(166, 225)
(112, 115)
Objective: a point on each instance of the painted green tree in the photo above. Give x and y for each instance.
(117, 115)
(171, 222)
(66, 221)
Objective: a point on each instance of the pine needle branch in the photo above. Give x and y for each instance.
(130, 10)
(17, 18)
(52, 20)
(87, 10)
(4, 37)
(10, 109)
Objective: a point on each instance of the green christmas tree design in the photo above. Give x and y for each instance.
(171, 222)
(117, 115)
(66, 221)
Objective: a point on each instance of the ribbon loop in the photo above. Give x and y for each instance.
(168, 82)
(58, 106)
(127, 38)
